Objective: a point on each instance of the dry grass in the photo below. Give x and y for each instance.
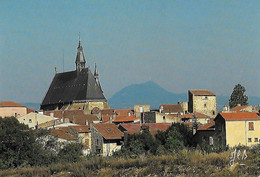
(184, 163)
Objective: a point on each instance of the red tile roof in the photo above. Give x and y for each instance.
(125, 118)
(58, 114)
(238, 108)
(107, 111)
(62, 133)
(167, 108)
(82, 119)
(191, 115)
(134, 128)
(29, 110)
(202, 92)
(106, 118)
(109, 131)
(75, 116)
(239, 116)
(10, 104)
(124, 112)
(81, 128)
(209, 126)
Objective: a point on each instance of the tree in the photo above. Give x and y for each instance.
(238, 96)
(71, 152)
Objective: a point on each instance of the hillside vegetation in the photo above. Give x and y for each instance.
(184, 163)
(26, 152)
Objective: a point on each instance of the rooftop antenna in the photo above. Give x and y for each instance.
(79, 36)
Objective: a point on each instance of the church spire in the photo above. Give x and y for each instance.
(80, 59)
(96, 75)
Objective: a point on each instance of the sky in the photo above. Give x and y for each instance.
(179, 45)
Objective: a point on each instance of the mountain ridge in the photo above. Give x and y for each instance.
(151, 93)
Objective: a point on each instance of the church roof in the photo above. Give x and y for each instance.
(73, 86)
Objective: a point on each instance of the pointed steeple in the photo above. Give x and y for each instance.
(96, 75)
(80, 59)
(96, 71)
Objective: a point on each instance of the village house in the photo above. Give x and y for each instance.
(231, 129)
(171, 109)
(105, 138)
(36, 120)
(157, 117)
(241, 128)
(200, 118)
(10, 108)
(202, 101)
(141, 108)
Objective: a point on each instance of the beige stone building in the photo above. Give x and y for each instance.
(157, 117)
(10, 108)
(141, 108)
(202, 101)
(35, 120)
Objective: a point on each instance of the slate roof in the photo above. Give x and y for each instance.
(73, 86)
(109, 131)
(202, 92)
(239, 116)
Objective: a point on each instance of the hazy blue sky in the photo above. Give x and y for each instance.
(180, 45)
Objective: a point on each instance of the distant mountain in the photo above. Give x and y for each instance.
(144, 93)
(34, 106)
(152, 94)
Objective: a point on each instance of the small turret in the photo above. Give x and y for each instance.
(96, 75)
(80, 59)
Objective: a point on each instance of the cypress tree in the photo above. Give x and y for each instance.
(238, 96)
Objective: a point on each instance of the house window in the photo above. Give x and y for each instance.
(249, 139)
(213, 112)
(163, 117)
(30, 120)
(205, 105)
(205, 98)
(256, 139)
(251, 125)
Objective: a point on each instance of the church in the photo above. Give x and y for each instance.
(75, 90)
